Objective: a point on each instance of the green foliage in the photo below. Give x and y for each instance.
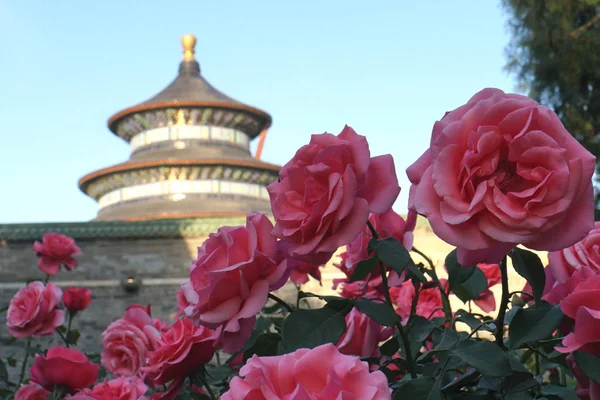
(378, 311)
(363, 269)
(534, 323)
(312, 328)
(589, 364)
(393, 254)
(529, 266)
(418, 389)
(466, 283)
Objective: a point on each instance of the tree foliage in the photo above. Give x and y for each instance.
(555, 53)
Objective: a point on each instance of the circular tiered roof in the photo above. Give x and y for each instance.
(190, 90)
(190, 154)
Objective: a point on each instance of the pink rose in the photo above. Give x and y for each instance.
(77, 299)
(33, 311)
(322, 373)
(502, 170)
(326, 191)
(555, 292)
(32, 391)
(429, 304)
(230, 280)
(180, 351)
(486, 300)
(356, 290)
(131, 388)
(586, 253)
(583, 307)
(54, 251)
(300, 270)
(63, 366)
(362, 336)
(127, 341)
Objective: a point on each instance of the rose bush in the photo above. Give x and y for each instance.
(500, 171)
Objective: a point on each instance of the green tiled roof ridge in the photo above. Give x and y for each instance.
(160, 228)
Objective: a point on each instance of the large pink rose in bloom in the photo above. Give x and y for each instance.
(322, 373)
(32, 391)
(502, 170)
(362, 335)
(230, 280)
(132, 388)
(33, 311)
(56, 250)
(326, 191)
(583, 306)
(127, 341)
(586, 253)
(429, 304)
(63, 366)
(180, 351)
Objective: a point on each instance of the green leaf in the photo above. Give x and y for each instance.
(589, 364)
(561, 392)
(472, 321)
(3, 309)
(418, 389)
(529, 266)
(390, 347)
(449, 340)
(534, 323)
(393, 254)
(363, 269)
(73, 336)
(3, 372)
(11, 361)
(466, 283)
(265, 345)
(488, 358)
(420, 328)
(62, 329)
(379, 312)
(312, 328)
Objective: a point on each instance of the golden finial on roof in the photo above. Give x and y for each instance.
(188, 42)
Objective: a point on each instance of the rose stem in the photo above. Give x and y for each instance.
(499, 334)
(403, 335)
(281, 302)
(22, 376)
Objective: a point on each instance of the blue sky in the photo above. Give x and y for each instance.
(389, 69)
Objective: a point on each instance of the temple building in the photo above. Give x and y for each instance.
(190, 171)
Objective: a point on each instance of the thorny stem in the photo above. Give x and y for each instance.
(433, 275)
(281, 302)
(297, 296)
(208, 389)
(24, 366)
(403, 336)
(499, 334)
(409, 359)
(63, 338)
(415, 302)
